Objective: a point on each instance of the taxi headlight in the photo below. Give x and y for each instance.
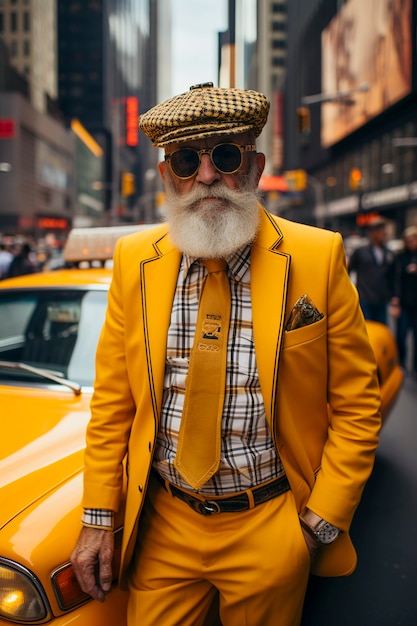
(20, 595)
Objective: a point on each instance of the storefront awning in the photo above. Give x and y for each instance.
(273, 183)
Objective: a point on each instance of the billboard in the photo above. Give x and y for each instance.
(367, 42)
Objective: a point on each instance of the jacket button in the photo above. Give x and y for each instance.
(140, 487)
(150, 446)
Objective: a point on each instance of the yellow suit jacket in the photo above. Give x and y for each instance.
(319, 382)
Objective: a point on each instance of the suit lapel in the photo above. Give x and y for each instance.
(269, 282)
(158, 277)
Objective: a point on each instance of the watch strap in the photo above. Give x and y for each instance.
(323, 532)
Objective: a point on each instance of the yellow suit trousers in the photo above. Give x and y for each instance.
(257, 560)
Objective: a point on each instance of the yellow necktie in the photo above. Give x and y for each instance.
(199, 443)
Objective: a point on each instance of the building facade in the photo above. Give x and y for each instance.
(272, 55)
(350, 112)
(106, 75)
(28, 28)
(86, 69)
(37, 158)
(36, 150)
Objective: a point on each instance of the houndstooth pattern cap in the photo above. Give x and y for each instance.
(204, 111)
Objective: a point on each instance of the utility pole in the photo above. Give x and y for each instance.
(232, 43)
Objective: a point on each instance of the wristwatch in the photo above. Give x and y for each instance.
(323, 531)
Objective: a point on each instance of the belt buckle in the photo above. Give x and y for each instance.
(206, 507)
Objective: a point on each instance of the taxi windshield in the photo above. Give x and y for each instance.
(54, 329)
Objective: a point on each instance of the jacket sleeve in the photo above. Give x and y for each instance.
(353, 402)
(112, 406)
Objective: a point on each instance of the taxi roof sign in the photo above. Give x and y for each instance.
(96, 244)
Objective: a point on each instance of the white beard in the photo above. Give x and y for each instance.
(214, 228)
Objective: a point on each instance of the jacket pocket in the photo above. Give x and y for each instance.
(304, 334)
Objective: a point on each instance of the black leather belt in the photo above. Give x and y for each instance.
(234, 504)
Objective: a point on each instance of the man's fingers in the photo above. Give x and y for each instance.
(91, 560)
(105, 561)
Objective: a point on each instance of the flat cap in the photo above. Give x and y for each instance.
(204, 111)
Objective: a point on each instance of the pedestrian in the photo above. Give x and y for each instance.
(22, 262)
(246, 452)
(373, 267)
(6, 257)
(404, 302)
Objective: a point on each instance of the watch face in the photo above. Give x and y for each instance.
(327, 533)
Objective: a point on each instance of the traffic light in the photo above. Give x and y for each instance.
(296, 180)
(303, 120)
(355, 179)
(128, 184)
(300, 180)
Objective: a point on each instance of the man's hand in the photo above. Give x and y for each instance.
(312, 520)
(91, 560)
(312, 544)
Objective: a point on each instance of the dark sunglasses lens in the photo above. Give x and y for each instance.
(227, 157)
(184, 162)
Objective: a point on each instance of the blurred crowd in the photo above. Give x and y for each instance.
(20, 255)
(386, 279)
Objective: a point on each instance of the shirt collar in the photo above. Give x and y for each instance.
(238, 263)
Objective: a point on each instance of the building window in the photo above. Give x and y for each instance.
(279, 7)
(278, 62)
(279, 44)
(26, 71)
(26, 48)
(1, 23)
(76, 92)
(13, 21)
(13, 48)
(26, 21)
(279, 26)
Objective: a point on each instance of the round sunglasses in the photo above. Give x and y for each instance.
(227, 158)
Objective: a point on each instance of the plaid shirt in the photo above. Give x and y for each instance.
(248, 455)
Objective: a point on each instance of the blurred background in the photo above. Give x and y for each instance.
(341, 140)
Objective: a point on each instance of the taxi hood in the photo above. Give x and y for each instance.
(42, 444)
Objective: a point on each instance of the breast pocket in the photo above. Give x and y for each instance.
(303, 373)
(305, 334)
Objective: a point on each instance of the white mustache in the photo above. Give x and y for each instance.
(218, 191)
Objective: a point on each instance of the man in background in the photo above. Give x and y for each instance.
(373, 266)
(404, 302)
(6, 257)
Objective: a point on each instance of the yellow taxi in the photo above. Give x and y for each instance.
(49, 327)
(390, 374)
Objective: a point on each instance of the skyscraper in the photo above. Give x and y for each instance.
(106, 71)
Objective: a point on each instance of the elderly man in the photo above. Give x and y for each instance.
(235, 377)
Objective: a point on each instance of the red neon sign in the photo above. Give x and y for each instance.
(6, 128)
(132, 114)
(54, 223)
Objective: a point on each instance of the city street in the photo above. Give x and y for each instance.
(383, 589)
